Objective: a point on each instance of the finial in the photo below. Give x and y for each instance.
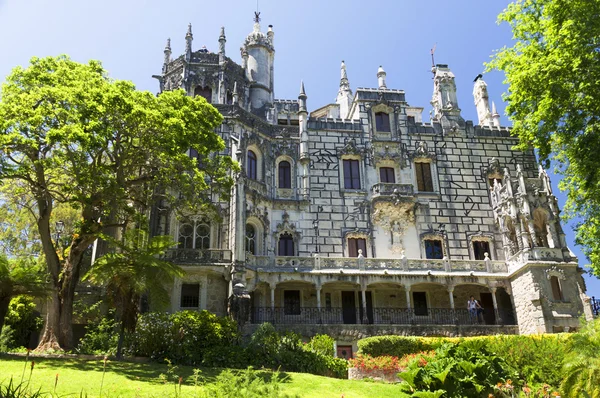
(256, 16)
(494, 111)
(302, 91)
(189, 31)
(222, 32)
(343, 70)
(168, 46)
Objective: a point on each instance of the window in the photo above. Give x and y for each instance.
(351, 174)
(286, 244)
(285, 174)
(420, 303)
(229, 98)
(250, 239)
(382, 122)
(386, 174)
(194, 235)
(480, 248)
(556, 290)
(190, 295)
(291, 302)
(424, 180)
(195, 155)
(205, 92)
(356, 244)
(433, 249)
(251, 172)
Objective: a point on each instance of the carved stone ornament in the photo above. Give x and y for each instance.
(394, 219)
(350, 148)
(422, 151)
(385, 152)
(286, 226)
(555, 271)
(494, 167)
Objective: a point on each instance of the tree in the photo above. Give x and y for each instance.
(581, 368)
(71, 135)
(19, 277)
(553, 73)
(132, 269)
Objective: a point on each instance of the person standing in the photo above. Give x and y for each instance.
(474, 309)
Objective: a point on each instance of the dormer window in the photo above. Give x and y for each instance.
(382, 122)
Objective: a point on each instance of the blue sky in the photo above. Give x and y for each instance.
(311, 39)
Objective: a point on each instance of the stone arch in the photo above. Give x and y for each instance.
(258, 238)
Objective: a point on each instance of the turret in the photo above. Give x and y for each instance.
(381, 78)
(222, 41)
(167, 56)
(482, 104)
(304, 155)
(344, 97)
(258, 55)
(188, 43)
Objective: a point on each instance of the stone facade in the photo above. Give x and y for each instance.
(359, 214)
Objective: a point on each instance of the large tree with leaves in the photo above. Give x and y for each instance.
(70, 134)
(553, 73)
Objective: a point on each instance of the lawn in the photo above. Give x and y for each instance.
(126, 379)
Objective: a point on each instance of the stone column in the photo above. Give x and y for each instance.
(204, 292)
(407, 289)
(498, 319)
(363, 291)
(319, 297)
(451, 296)
(272, 297)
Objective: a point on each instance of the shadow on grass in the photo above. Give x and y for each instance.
(147, 372)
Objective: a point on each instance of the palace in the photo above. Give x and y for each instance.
(357, 218)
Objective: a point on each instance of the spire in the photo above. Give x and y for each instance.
(235, 93)
(188, 43)
(167, 55)
(495, 115)
(381, 77)
(302, 98)
(482, 102)
(344, 83)
(222, 41)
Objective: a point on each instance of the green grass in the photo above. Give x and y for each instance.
(126, 379)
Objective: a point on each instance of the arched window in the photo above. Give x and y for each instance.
(556, 290)
(194, 235)
(250, 239)
(285, 174)
(251, 171)
(286, 244)
(205, 92)
(541, 228)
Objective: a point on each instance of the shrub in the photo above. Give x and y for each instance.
(459, 370)
(248, 384)
(582, 363)
(100, 338)
(23, 319)
(6, 337)
(396, 346)
(321, 343)
(183, 337)
(366, 363)
(535, 358)
(269, 348)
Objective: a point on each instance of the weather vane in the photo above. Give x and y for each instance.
(256, 14)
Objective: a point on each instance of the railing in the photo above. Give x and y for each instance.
(381, 316)
(198, 256)
(422, 265)
(288, 316)
(392, 189)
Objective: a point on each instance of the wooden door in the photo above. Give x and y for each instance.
(349, 307)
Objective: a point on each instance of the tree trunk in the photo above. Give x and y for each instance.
(49, 340)
(4, 302)
(120, 343)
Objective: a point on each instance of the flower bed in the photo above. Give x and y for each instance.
(384, 368)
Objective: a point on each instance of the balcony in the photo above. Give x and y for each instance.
(393, 191)
(378, 316)
(198, 256)
(374, 264)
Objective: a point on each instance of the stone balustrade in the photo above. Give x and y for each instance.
(198, 256)
(391, 189)
(373, 264)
